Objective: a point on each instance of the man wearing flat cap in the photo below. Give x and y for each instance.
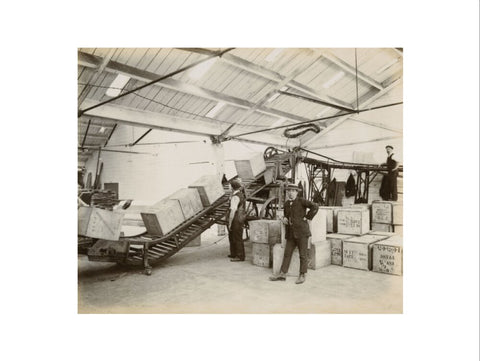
(297, 232)
(235, 221)
(392, 174)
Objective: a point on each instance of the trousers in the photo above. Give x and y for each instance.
(302, 244)
(237, 248)
(392, 186)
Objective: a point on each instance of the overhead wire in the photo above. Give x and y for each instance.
(176, 109)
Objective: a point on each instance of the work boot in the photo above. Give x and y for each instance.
(300, 279)
(237, 259)
(279, 277)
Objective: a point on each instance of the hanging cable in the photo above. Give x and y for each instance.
(356, 76)
(178, 109)
(290, 132)
(214, 55)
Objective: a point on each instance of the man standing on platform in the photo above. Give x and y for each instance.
(392, 169)
(297, 232)
(235, 221)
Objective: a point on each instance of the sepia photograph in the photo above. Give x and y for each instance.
(240, 180)
(255, 180)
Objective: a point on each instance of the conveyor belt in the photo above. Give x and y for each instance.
(149, 250)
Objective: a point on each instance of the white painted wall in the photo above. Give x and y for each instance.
(148, 178)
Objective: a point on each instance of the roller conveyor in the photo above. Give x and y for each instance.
(148, 250)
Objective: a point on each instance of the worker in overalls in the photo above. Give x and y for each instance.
(392, 174)
(236, 216)
(297, 232)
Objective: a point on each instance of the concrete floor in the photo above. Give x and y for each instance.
(203, 280)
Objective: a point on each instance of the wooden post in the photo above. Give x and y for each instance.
(219, 159)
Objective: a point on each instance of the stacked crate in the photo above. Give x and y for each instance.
(318, 256)
(357, 251)
(336, 245)
(387, 216)
(354, 221)
(332, 213)
(319, 252)
(320, 249)
(388, 256)
(264, 234)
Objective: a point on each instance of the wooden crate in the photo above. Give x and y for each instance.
(398, 230)
(319, 254)
(265, 231)
(166, 215)
(262, 255)
(388, 256)
(190, 201)
(230, 169)
(99, 223)
(381, 233)
(209, 188)
(251, 166)
(278, 252)
(332, 213)
(387, 212)
(318, 226)
(132, 216)
(336, 244)
(357, 252)
(382, 227)
(353, 221)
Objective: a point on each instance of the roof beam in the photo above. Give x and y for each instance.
(170, 83)
(399, 51)
(348, 68)
(274, 76)
(146, 119)
(362, 105)
(267, 96)
(94, 76)
(156, 80)
(358, 142)
(377, 125)
(96, 136)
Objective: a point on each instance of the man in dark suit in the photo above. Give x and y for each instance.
(392, 168)
(297, 232)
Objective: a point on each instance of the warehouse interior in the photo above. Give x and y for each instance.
(152, 121)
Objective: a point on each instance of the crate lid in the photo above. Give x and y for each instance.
(380, 233)
(340, 236)
(366, 239)
(396, 240)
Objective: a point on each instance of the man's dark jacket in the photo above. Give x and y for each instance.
(295, 211)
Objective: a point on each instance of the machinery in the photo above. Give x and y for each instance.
(265, 196)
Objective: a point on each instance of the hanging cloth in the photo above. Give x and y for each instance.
(351, 187)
